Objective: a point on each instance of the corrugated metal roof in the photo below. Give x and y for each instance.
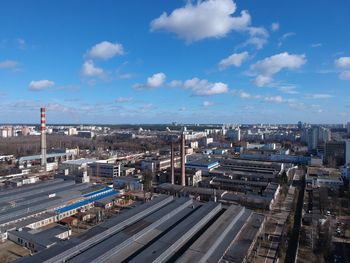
(107, 188)
(37, 157)
(85, 202)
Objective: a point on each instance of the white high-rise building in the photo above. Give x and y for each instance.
(347, 153)
(348, 127)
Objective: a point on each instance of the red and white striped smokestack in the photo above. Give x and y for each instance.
(43, 136)
(42, 119)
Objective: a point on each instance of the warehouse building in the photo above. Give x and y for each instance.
(36, 240)
(166, 229)
(44, 203)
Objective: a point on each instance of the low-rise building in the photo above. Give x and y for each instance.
(37, 240)
(323, 177)
(128, 182)
(204, 164)
(104, 169)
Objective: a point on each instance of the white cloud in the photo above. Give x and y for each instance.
(244, 95)
(235, 59)
(316, 45)
(36, 85)
(175, 83)
(90, 70)
(58, 107)
(258, 42)
(266, 68)
(288, 89)
(275, 26)
(125, 75)
(146, 107)
(274, 99)
(258, 37)
(284, 37)
(204, 19)
(320, 96)
(345, 75)
(342, 62)
(258, 32)
(156, 80)
(297, 105)
(8, 64)
(207, 103)
(123, 99)
(204, 87)
(105, 50)
(262, 80)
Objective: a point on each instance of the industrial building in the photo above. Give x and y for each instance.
(46, 202)
(104, 169)
(72, 167)
(323, 177)
(263, 200)
(192, 176)
(159, 163)
(204, 164)
(37, 240)
(27, 161)
(166, 229)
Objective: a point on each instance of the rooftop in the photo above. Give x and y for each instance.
(79, 161)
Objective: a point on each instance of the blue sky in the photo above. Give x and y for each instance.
(213, 61)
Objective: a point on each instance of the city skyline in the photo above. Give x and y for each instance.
(214, 61)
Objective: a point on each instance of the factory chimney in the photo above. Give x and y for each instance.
(183, 160)
(43, 136)
(172, 163)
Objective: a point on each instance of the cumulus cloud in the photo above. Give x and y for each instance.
(243, 95)
(262, 80)
(266, 68)
(258, 42)
(36, 85)
(275, 26)
(343, 63)
(123, 99)
(257, 37)
(105, 50)
(207, 103)
(235, 59)
(8, 64)
(90, 70)
(175, 83)
(156, 80)
(203, 19)
(202, 87)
